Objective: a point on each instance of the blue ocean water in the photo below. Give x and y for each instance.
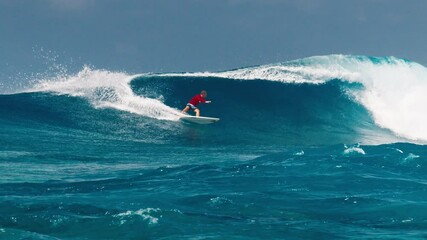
(327, 147)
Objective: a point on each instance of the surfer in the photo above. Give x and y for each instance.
(199, 98)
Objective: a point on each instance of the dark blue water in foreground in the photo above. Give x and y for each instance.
(286, 161)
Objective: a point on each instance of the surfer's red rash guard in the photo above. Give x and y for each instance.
(197, 99)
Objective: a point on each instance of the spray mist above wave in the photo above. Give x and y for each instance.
(105, 89)
(393, 89)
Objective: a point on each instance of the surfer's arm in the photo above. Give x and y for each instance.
(203, 100)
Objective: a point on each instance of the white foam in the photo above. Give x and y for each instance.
(395, 94)
(105, 89)
(146, 214)
(411, 156)
(354, 150)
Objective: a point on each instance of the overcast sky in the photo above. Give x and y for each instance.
(198, 35)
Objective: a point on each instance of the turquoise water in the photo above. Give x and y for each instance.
(326, 147)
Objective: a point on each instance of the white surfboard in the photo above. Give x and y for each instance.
(199, 120)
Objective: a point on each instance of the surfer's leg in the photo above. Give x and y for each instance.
(186, 109)
(197, 112)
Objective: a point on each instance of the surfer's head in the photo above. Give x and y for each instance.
(203, 93)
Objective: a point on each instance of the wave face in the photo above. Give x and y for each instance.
(324, 147)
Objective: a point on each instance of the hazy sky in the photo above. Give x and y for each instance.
(194, 35)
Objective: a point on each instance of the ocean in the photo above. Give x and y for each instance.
(325, 147)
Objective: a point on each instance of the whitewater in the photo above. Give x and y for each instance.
(322, 147)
